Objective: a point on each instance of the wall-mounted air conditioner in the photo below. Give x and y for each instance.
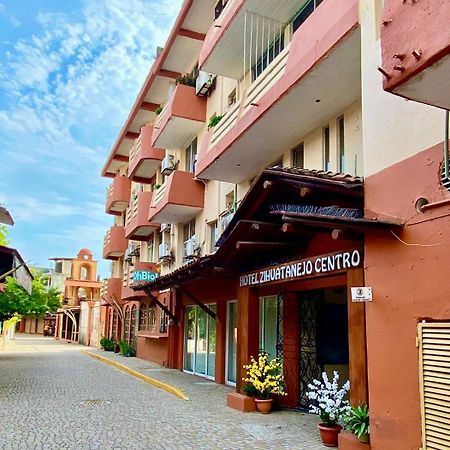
(164, 251)
(168, 165)
(204, 83)
(190, 247)
(225, 221)
(165, 227)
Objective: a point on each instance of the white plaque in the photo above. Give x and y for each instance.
(361, 294)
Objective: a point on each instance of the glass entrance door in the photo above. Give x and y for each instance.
(231, 342)
(200, 342)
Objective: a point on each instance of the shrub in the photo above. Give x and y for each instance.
(126, 349)
(214, 120)
(187, 80)
(158, 110)
(107, 344)
(357, 421)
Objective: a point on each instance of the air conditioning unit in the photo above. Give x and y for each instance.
(164, 250)
(165, 227)
(204, 83)
(225, 221)
(190, 247)
(168, 165)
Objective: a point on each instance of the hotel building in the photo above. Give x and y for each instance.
(264, 170)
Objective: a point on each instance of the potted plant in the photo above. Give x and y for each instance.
(329, 401)
(357, 421)
(264, 379)
(158, 110)
(187, 80)
(214, 120)
(107, 344)
(126, 349)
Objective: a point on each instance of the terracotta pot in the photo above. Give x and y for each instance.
(264, 406)
(329, 434)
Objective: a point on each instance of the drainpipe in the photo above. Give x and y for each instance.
(446, 162)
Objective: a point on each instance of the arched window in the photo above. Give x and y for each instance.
(143, 317)
(133, 330)
(85, 272)
(126, 325)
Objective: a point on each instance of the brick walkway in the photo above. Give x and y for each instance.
(43, 384)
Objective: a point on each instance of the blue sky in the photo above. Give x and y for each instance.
(69, 73)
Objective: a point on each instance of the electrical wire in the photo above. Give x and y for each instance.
(416, 244)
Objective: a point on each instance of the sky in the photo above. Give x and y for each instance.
(70, 71)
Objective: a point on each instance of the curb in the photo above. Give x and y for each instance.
(149, 380)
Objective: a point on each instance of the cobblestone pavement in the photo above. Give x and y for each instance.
(54, 397)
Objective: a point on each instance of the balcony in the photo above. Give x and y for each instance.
(180, 120)
(137, 226)
(115, 243)
(310, 79)
(223, 52)
(178, 200)
(113, 289)
(127, 292)
(118, 195)
(144, 159)
(415, 43)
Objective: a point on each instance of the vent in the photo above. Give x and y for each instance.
(445, 180)
(434, 372)
(96, 402)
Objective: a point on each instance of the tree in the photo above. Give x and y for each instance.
(3, 235)
(16, 301)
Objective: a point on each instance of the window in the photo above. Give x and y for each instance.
(58, 266)
(268, 56)
(268, 325)
(150, 256)
(298, 156)
(191, 156)
(213, 235)
(143, 313)
(326, 148)
(341, 144)
(305, 11)
(232, 98)
(200, 341)
(151, 321)
(188, 230)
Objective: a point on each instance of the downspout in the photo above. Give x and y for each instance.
(446, 133)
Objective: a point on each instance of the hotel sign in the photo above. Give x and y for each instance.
(141, 275)
(309, 267)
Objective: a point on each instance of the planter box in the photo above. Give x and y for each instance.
(348, 441)
(241, 402)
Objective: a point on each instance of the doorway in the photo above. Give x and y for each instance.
(323, 337)
(200, 342)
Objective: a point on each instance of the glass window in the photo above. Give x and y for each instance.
(268, 56)
(213, 236)
(200, 341)
(298, 156)
(151, 321)
(231, 341)
(188, 230)
(326, 149)
(341, 144)
(191, 156)
(305, 11)
(268, 325)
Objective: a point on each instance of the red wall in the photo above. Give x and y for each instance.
(410, 282)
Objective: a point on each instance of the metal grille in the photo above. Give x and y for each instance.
(445, 180)
(434, 373)
(96, 402)
(279, 344)
(309, 367)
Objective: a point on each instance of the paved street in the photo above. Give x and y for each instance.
(53, 396)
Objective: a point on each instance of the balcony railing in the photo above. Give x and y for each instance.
(137, 226)
(115, 243)
(118, 195)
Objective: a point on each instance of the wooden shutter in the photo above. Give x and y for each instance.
(434, 373)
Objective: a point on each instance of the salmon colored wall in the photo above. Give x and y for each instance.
(117, 242)
(154, 350)
(410, 26)
(410, 282)
(120, 192)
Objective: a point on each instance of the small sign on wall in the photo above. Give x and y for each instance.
(361, 294)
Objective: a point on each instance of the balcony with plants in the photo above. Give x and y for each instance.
(144, 158)
(297, 67)
(118, 195)
(182, 118)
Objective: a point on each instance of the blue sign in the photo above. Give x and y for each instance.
(145, 276)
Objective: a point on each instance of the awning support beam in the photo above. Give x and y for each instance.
(198, 302)
(161, 305)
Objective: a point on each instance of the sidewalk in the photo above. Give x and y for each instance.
(285, 429)
(31, 343)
